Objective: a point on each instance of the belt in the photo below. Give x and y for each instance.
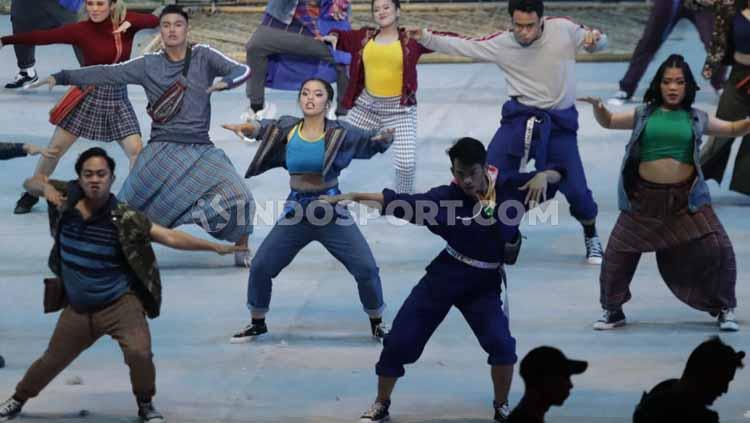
(301, 200)
(528, 135)
(294, 26)
(487, 265)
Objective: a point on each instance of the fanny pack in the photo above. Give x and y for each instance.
(170, 103)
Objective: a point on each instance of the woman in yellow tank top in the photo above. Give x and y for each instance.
(383, 83)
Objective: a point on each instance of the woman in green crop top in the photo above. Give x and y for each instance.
(664, 202)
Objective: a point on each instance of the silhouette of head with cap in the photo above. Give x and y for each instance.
(546, 373)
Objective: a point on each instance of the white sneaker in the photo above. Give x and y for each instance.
(267, 112)
(593, 250)
(10, 409)
(243, 258)
(727, 321)
(610, 319)
(620, 98)
(331, 115)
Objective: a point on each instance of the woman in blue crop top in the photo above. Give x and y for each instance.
(730, 45)
(664, 202)
(314, 150)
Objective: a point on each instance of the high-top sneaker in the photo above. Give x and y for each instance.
(23, 80)
(610, 319)
(255, 329)
(727, 321)
(502, 412)
(148, 413)
(10, 409)
(593, 250)
(25, 203)
(378, 328)
(378, 412)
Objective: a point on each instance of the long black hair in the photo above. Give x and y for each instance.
(653, 94)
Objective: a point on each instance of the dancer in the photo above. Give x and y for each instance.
(107, 293)
(26, 16)
(12, 150)
(540, 120)
(314, 150)
(181, 177)
(708, 372)
(103, 113)
(477, 215)
(661, 21)
(289, 27)
(546, 373)
(664, 202)
(731, 44)
(383, 88)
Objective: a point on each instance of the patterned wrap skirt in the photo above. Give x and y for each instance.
(104, 115)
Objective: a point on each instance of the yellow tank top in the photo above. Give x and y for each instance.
(384, 68)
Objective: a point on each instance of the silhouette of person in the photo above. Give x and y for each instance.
(546, 373)
(709, 369)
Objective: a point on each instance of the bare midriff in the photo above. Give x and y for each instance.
(666, 171)
(310, 182)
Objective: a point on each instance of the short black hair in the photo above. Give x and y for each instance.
(326, 84)
(653, 94)
(469, 151)
(173, 9)
(527, 6)
(711, 355)
(94, 152)
(396, 3)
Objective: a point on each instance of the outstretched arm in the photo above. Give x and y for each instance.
(66, 34)
(420, 209)
(183, 241)
(607, 119)
(365, 144)
(722, 128)
(130, 72)
(486, 48)
(39, 186)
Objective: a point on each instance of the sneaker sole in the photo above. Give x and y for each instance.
(246, 339)
(384, 419)
(729, 327)
(161, 420)
(594, 260)
(608, 326)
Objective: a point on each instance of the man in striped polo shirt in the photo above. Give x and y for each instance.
(108, 276)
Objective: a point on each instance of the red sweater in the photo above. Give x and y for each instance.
(95, 39)
(354, 42)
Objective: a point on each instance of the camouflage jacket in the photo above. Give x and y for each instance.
(721, 50)
(133, 230)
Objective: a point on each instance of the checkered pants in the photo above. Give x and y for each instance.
(370, 112)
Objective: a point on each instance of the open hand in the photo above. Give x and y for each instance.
(53, 196)
(384, 135)
(414, 33)
(49, 81)
(242, 130)
(537, 187)
(342, 199)
(224, 249)
(124, 26)
(591, 38)
(217, 86)
(337, 13)
(33, 150)
(594, 101)
(330, 38)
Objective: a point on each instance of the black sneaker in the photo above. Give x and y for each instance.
(502, 412)
(593, 250)
(251, 332)
(25, 203)
(148, 413)
(10, 409)
(378, 328)
(22, 80)
(610, 319)
(378, 412)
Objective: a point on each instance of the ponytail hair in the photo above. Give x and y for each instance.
(118, 11)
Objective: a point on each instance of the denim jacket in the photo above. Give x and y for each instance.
(343, 143)
(699, 193)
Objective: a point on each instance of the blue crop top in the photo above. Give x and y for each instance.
(741, 33)
(303, 155)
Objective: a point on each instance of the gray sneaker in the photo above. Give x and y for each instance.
(10, 409)
(148, 413)
(377, 413)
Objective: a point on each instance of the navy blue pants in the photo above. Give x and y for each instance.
(476, 293)
(562, 151)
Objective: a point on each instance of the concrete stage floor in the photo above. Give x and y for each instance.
(318, 363)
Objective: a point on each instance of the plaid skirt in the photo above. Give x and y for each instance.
(104, 115)
(176, 184)
(693, 252)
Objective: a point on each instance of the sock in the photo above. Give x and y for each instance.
(256, 107)
(589, 231)
(258, 322)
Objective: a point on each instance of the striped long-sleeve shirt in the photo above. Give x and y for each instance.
(156, 73)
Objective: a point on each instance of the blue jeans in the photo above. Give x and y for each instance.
(343, 241)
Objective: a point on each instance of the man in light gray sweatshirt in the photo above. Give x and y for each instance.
(540, 120)
(180, 177)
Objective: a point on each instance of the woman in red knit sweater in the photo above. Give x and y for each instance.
(382, 91)
(105, 113)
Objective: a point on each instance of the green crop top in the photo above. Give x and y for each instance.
(668, 134)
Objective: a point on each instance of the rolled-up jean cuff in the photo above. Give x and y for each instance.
(373, 313)
(257, 310)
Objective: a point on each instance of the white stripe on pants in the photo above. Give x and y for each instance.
(370, 112)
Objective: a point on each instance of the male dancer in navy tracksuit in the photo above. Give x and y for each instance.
(477, 215)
